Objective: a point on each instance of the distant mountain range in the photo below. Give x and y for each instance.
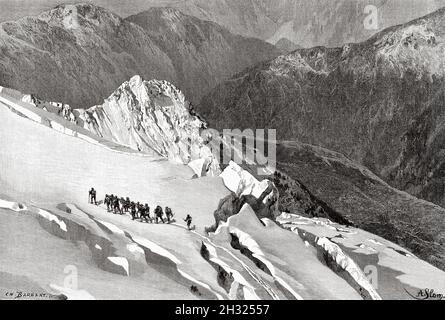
(202, 53)
(79, 54)
(305, 23)
(380, 102)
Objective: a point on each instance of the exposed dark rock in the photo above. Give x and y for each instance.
(350, 192)
(235, 243)
(294, 197)
(232, 204)
(202, 52)
(79, 54)
(379, 102)
(224, 279)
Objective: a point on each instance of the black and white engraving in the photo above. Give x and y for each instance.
(222, 150)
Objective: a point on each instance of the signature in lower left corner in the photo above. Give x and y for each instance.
(28, 295)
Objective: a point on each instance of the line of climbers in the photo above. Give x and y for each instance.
(119, 205)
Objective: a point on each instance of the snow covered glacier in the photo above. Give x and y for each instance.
(49, 163)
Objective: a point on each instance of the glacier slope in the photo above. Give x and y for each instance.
(50, 171)
(47, 170)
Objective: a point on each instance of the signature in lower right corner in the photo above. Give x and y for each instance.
(426, 294)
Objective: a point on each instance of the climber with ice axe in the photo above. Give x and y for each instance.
(92, 196)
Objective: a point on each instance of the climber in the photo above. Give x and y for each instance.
(92, 196)
(169, 214)
(133, 210)
(116, 205)
(107, 202)
(127, 204)
(111, 201)
(140, 209)
(121, 205)
(158, 214)
(146, 214)
(72, 117)
(65, 111)
(188, 219)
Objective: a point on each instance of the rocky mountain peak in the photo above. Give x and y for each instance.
(153, 96)
(416, 47)
(152, 116)
(84, 10)
(172, 14)
(78, 16)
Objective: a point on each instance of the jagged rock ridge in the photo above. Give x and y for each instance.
(306, 23)
(152, 115)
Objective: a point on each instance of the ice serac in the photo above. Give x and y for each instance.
(152, 116)
(61, 109)
(241, 182)
(391, 270)
(286, 266)
(261, 196)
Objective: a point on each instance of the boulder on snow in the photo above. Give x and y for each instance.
(241, 182)
(200, 166)
(246, 189)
